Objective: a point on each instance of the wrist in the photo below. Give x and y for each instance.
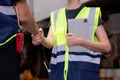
(81, 41)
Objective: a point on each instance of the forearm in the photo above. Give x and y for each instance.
(25, 17)
(47, 43)
(96, 46)
(103, 45)
(30, 26)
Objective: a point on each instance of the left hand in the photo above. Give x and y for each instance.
(72, 39)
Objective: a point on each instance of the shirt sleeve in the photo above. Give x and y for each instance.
(14, 1)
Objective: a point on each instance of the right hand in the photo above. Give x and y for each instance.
(38, 38)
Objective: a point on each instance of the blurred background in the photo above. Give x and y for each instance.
(35, 59)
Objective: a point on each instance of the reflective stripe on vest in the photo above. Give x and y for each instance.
(59, 27)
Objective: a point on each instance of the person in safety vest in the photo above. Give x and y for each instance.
(9, 57)
(77, 38)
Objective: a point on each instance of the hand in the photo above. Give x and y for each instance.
(38, 38)
(72, 39)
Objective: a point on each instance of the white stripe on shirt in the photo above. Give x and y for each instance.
(8, 10)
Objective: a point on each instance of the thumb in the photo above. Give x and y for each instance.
(68, 35)
(40, 30)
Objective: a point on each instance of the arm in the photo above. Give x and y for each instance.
(103, 45)
(25, 17)
(49, 40)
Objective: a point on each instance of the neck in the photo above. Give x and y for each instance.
(73, 4)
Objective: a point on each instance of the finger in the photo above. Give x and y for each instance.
(36, 38)
(31, 35)
(69, 34)
(40, 30)
(36, 43)
(33, 42)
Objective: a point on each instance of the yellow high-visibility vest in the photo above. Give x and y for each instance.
(59, 27)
